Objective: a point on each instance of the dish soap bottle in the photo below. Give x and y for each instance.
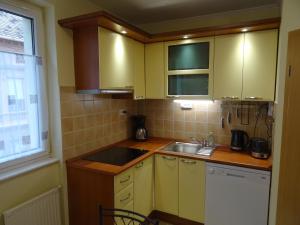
(211, 140)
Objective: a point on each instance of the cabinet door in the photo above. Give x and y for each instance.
(139, 70)
(143, 187)
(192, 189)
(166, 184)
(116, 60)
(228, 66)
(260, 58)
(155, 67)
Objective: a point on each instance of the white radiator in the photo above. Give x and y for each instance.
(41, 210)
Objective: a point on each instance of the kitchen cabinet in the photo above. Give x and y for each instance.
(228, 66)
(166, 184)
(139, 70)
(154, 67)
(260, 58)
(121, 62)
(189, 68)
(180, 187)
(191, 189)
(143, 186)
(245, 66)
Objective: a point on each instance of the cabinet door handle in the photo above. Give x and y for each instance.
(139, 165)
(169, 158)
(126, 198)
(128, 87)
(253, 98)
(188, 161)
(230, 97)
(125, 180)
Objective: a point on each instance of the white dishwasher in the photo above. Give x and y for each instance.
(236, 195)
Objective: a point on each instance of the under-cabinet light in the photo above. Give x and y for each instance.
(193, 101)
(244, 29)
(124, 32)
(185, 36)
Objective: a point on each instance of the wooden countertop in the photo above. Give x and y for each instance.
(221, 155)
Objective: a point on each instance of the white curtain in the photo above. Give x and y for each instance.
(23, 106)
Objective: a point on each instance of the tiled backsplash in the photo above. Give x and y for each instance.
(92, 121)
(165, 118)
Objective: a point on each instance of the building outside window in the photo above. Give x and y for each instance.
(23, 99)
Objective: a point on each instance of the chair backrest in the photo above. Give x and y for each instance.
(123, 217)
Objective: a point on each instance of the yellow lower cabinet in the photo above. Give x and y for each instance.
(143, 187)
(124, 197)
(191, 189)
(166, 184)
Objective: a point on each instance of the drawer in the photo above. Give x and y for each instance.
(123, 180)
(124, 197)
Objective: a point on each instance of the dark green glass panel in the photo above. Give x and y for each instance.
(189, 56)
(188, 84)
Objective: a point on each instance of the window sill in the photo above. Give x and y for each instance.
(6, 175)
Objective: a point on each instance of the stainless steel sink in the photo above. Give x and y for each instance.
(189, 148)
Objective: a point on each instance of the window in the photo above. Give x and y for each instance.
(23, 102)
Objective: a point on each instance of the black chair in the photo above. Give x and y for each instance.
(123, 217)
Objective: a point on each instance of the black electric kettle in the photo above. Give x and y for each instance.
(239, 140)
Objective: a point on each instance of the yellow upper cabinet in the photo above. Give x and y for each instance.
(154, 67)
(192, 189)
(260, 60)
(245, 66)
(139, 70)
(189, 68)
(228, 66)
(121, 63)
(143, 187)
(166, 184)
(115, 60)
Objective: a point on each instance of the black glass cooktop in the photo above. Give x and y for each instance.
(116, 156)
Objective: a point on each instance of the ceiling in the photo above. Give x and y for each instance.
(151, 11)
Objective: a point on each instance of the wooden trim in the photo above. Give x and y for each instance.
(106, 20)
(169, 218)
(266, 24)
(86, 58)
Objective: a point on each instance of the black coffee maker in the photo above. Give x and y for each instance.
(139, 130)
(239, 140)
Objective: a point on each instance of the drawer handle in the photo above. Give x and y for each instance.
(253, 98)
(188, 161)
(139, 165)
(169, 158)
(126, 198)
(123, 181)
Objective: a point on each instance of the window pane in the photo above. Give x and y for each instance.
(20, 128)
(15, 33)
(188, 84)
(189, 56)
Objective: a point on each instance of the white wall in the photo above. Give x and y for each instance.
(290, 20)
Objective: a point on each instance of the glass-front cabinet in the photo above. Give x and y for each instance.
(189, 68)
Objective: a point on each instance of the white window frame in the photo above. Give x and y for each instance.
(35, 13)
